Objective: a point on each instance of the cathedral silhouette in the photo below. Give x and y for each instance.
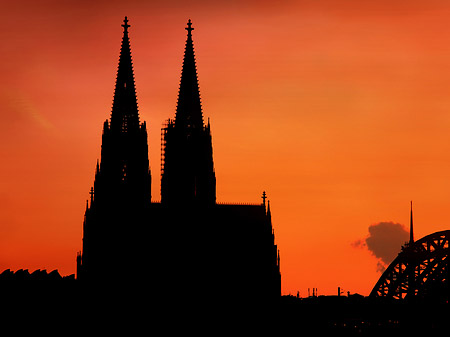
(186, 244)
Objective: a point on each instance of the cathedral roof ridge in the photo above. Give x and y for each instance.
(238, 204)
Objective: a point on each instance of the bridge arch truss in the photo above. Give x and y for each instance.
(420, 270)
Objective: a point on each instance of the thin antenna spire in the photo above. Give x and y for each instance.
(411, 231)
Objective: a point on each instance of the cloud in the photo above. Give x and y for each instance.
(384, 241)
(359, 244)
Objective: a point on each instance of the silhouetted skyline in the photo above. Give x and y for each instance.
(338, 111)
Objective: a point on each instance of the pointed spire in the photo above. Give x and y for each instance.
(411, 231)
(189, 108)
(269, 214)
(124, 115)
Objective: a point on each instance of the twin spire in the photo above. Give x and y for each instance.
(124, 115)
(189, 109)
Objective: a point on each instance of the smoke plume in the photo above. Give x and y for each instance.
(384, 241)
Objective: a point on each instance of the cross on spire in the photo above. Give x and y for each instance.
(125, 24)
(264, 197)
(189, 27)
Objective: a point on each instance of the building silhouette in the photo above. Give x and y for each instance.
(187, 244)
(122, 186)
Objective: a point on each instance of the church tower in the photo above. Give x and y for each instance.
(188, 176)
(115, 216)
(186, 244)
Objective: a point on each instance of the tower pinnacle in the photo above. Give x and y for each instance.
(189, 27)
(189, 108)
(125, 25)
(264, 197)
(124, 115)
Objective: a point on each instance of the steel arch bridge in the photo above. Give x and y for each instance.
(420, 270)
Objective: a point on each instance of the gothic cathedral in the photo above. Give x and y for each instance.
(187, 244)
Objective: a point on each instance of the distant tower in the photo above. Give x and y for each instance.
(411, 275)
(122, 186)
(188, 176)
(411, 231)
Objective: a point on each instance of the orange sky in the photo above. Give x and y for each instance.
(340, 110)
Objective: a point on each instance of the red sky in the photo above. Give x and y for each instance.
(340, 110)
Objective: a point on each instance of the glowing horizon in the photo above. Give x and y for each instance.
(342, 109)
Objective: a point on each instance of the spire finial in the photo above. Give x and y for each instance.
(189, 27)
(125, 25)
(264, 197)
